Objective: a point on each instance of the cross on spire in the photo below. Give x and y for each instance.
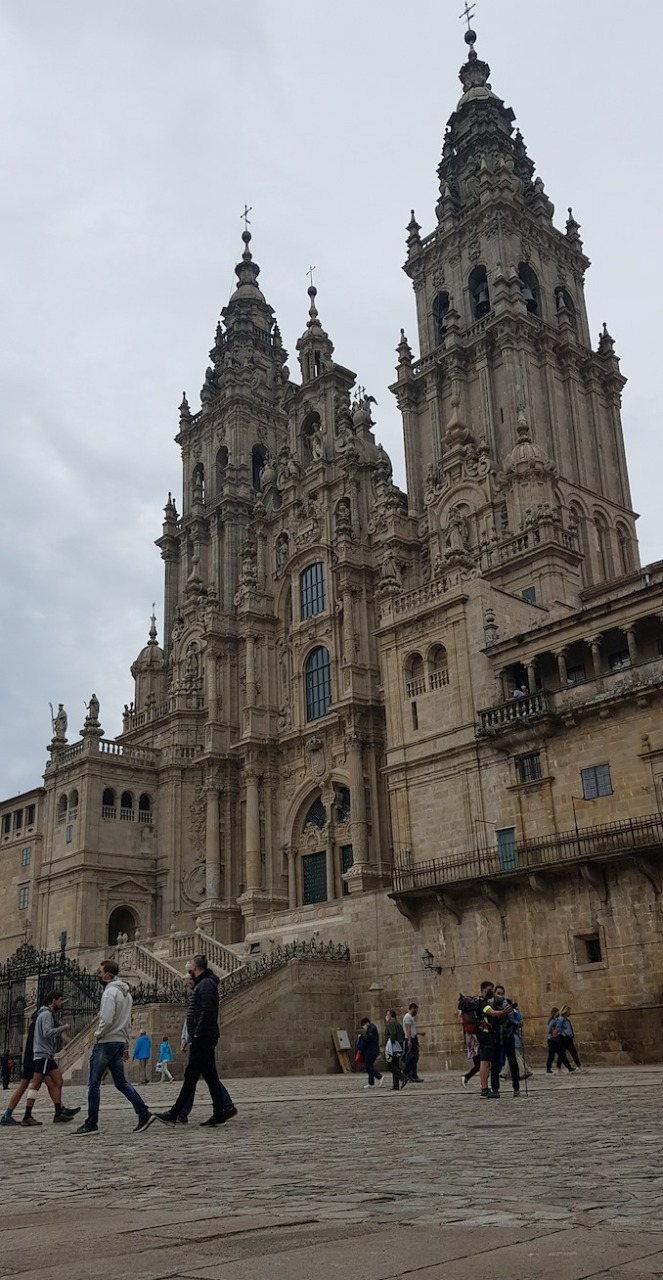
(245, 215)
(310, 274)
(468, 13)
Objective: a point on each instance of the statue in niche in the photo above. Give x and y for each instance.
(282, 551)
(191, 665)
(456, 534)
(344, 518)
(248, 574)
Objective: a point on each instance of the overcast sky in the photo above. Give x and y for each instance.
(132, 134)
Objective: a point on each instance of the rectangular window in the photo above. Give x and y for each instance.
(576, 675)
(529, 767)
(618, 660)
(529, 594)
(18, 819)
(593, 949)
(506, 848)
(346, 862)
(69, 833)
(6, 824)
(24, 897)
(312, 590)
(596, 781)
(314, 877)
(26, 855)
(30, 816)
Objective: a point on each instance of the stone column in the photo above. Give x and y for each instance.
(252, 834)
(357, 801)
(632, 644)
(212, 843)
(348, 627)
(503, 686)
(595, 643)
(292, 878)
(250, 671)
(329, 862)
(561, 666)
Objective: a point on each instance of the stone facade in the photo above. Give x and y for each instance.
(424, 720)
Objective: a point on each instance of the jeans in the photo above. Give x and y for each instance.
(411, 1059)
(372, 1074)
(201, 1063)
(109, 1057)
(510, 1055)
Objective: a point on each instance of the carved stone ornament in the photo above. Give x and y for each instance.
(194, 885)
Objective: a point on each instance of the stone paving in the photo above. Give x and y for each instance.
(320, 1178)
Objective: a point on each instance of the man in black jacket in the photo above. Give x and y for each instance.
(202, 1023)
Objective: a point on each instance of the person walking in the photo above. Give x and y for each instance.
(489, 1039)
(469, 1013)
(47, 1035)
(27, 1072)
(566, 1040)
(394, 1038)
(142, 1054)
(503, 1028)
(165, 1056)
(410, 1061)
(370, 1048)
(552, 1039)
(203, 1028)
(111, 1050)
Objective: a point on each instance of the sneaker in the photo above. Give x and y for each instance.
(70, 1111)
(9, 1119)
(516, 1093)
(29, 1122)
(145, 1119)
(405, 1080)
(229, 1113)
(212, 1122)
(380, 1082)
(417, 1080)
(496, 1093)
(164, 1116)
(84, 1130)
(485, 1093)
(62, 1118)
(180, 1119)
(463, 1080)
(368, 1086)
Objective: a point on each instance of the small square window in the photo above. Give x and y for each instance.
(596, 781)
(593, 949)
(588, 949)
(576, 675)
(24, 897)
(529, 767)
(529, 594)
(26, 855)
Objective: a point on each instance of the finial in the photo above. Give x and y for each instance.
(310, 275)
(470, 35)
(404, 350)
(245, 216)
(153, 626)
(185, 412)
(573, 228)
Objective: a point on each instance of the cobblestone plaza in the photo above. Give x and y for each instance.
(319, 1177)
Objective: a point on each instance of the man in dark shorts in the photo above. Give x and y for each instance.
(488, 1045)
(27, 1072)
(47, 1035)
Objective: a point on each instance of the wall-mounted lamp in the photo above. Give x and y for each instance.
(428, 961)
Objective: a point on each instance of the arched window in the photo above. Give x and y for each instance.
(145, 810)
(479, 292)
(316, 816)
(198, 481)
(604, 547)
(108, 809)
(529, 287)
(126, 807)
(441, 306)
(312, 590)
(318, 683)
(415, 680)
(579, 519)
(62, 809)
(73, 803)
(438, 667)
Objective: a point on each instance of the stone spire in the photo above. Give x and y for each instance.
(315, 348)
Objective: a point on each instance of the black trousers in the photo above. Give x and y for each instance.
(201, 1063)
(510, 1055)
(475, 1068)
(565, 1045)
(410, 1060)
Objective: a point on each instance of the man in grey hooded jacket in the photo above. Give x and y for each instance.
(111, 1049)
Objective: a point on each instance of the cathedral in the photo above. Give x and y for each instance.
(425, 724)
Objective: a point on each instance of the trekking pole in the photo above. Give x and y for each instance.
(522, 1054)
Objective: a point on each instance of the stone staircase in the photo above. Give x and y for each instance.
(163, 961)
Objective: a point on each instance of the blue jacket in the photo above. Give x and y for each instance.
(143, 1048)
(165, 1051)
(564, 1028)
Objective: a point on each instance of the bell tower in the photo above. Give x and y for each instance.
(506, 359)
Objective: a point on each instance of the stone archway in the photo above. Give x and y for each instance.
(121, 920)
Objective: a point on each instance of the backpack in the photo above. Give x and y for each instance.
(471, 1011)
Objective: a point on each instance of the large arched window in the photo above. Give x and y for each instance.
(604, 547)
(440, 316)
(438, 667)
(318, 683)
(312, 590)
(126, 807)
(316, 816)
(62, 809)
(479, 293)
(145, 810)
(415, 679)
(529, 287)
(108, 809)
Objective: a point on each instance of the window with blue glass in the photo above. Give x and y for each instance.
(318, 683)
(347, 861)
(312, 590)
(314, 878)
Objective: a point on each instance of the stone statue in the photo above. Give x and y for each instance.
(282, 551)
(344, 518)
(456, 532)
(93, 709)
(317, 447)
(59, 723)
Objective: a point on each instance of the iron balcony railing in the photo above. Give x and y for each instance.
(634, 834)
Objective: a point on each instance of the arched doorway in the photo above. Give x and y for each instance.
(122, 920)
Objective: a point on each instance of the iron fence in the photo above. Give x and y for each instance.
(278, 958)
